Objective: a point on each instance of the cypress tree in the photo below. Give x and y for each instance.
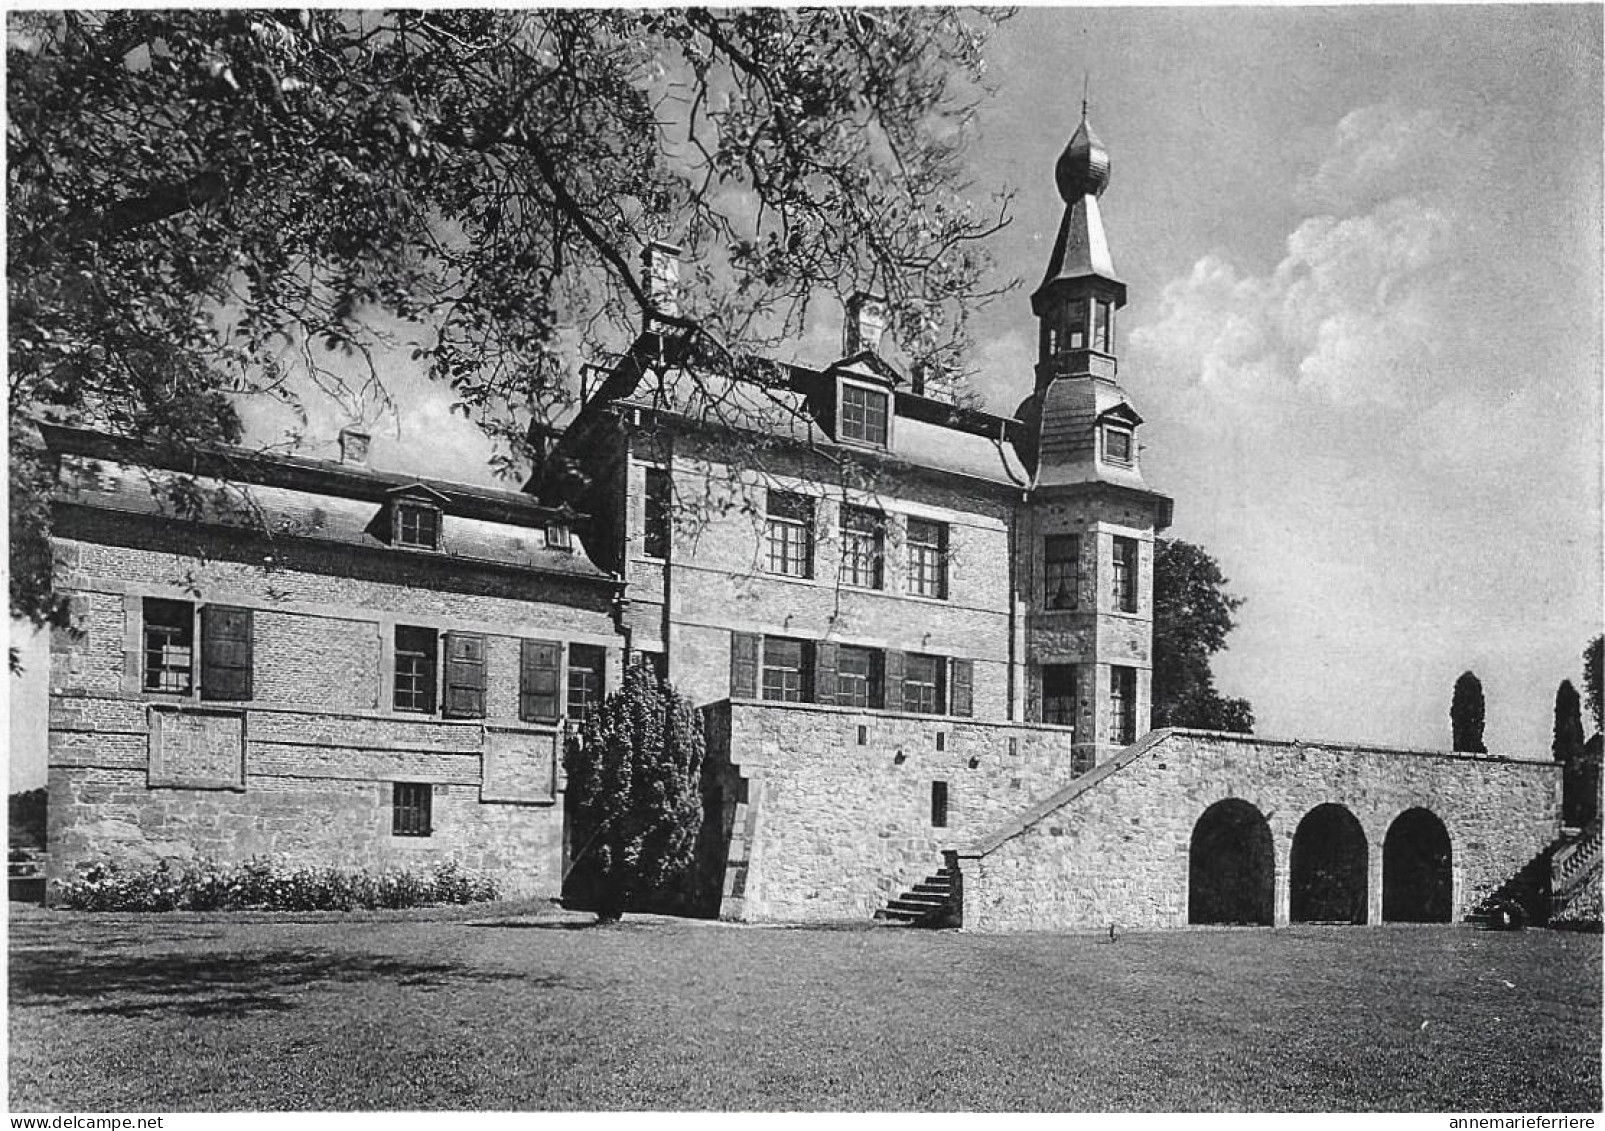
(1466, 714)
(1569, 740)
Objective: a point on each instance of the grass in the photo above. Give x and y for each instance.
(508, 1009)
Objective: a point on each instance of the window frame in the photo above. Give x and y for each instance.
(1122, 704)
(403, 509)
(580, 706)
(412, 809)
(927, 560)
(1128, 437)
(855, 561)
(424, 677)
(921, 695)
(177, 609)
(769, 663)
(657, 525)
(870, 682)
(1061, 574)
(1123, 573)
(857, 426)
(1059, 703)
(791, 534)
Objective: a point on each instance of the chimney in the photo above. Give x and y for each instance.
(354, 447)
(661, 263)
(866, 322)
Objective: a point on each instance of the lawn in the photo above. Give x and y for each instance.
(507, 1009)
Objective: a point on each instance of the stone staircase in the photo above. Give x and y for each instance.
(933, 902)
(1574, 884)
(1521, 901)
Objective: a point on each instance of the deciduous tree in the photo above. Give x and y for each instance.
(1192, 617)
(209, 204)
(634, 790)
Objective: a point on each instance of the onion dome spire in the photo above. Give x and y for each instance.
(1083, 168)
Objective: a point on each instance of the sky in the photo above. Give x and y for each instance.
(1363, 254)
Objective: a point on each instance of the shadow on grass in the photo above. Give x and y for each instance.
(216, 985)
(540, 925)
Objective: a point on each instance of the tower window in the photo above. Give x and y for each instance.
(1125, 574)
(1059, 694)
(789, 531)
(1122, 705)
(1117, 445)
(1061, 571)
(1075, 326)
(863, 415)
(1103, 327)
(655, 532)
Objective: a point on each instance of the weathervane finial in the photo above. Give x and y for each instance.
(1086, 83)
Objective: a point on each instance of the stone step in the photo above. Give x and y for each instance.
(920, 906)
(933, 888)
(898, 916)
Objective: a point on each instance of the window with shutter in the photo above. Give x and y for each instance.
(538, 677)
(961, 684)
(415, 669)
(744, 650)
(465, 676)
(824, 672)
(225, 653)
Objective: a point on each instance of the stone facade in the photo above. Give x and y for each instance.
(304, 761)
(1116, 846)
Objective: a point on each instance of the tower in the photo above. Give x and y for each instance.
(1085, 567)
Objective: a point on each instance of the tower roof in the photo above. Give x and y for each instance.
(1083, 168)
(1082, 249)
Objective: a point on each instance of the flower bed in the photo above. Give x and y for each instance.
(266, 885)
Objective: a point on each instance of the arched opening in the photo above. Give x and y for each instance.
(1328, 874)
(1231, 866)
(1417, 878)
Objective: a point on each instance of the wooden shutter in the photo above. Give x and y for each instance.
(893, 690)
(225, 652)
(824, 673)
(961, 681)
(744, 651)
(465, 676)
(539, 667)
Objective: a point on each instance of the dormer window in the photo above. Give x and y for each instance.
(558, 537)
(864, 415)
(1117, 445)
(417, 525)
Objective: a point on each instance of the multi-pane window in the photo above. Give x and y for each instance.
(1061, 571)
(655, 529)
(169, 645)
(924, 684)
(586, 664)
(1075, 326)
(927, 558)
(1103, 329)
(858, 677)
(785, 670)
(1125, 574)
(863, 547)
(411, 808)
(416, 653)
(1122, 705)
(1117, 445)
(789, 532)
(863, 415)
(1059, 694)
(417, 525)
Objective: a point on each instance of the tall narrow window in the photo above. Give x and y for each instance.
(586, 664)
(465, 676)
(863, 547)
(416, 654)
(1103, 331)
(863, 415)
(1075, 325)
(539, 663)
(655, 530)
(169, 645)
(924, 684)
(1122, 705)
(1061, 571)
(790, 534)
(858, 677)
(927, 558)
(1125, 574)
(411, 808)
(1059, 694)
(226, 643)
(939, 805)
(786, 676)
